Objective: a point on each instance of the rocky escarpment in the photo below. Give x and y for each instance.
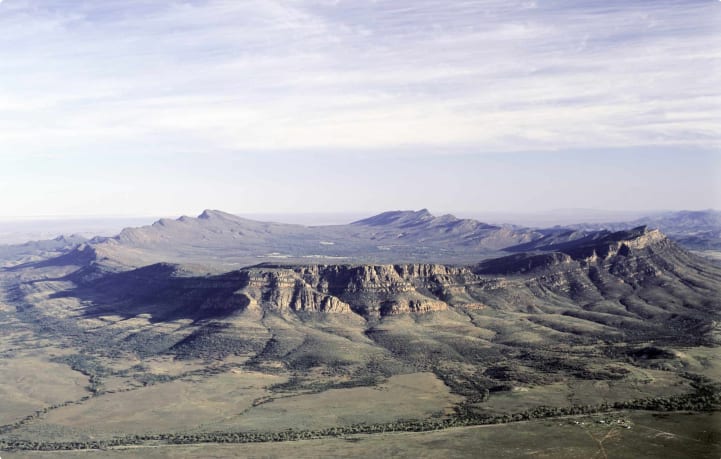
(368, 290)
(281, 290)
(167, 291)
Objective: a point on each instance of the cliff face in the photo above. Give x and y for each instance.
(283, 289)
(369, 290)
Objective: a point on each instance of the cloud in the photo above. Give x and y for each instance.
(345, 75)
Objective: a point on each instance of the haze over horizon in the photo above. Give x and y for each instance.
(144, 108)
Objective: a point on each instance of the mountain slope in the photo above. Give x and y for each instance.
(424, 228)
(223, 239)
(16, 254)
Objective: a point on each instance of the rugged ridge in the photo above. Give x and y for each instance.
(629, 286)
(612, 267)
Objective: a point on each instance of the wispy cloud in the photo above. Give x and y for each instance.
(263, 75)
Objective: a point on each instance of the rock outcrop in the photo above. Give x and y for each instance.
(369, 290)
(284, 289)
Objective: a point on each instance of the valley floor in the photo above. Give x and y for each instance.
(638, 435)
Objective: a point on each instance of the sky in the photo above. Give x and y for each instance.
(141, 107)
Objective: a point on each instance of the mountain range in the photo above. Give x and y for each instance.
(489, 323)
(223, 240)
(219, 240)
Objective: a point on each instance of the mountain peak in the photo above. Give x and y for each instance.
(637, 237)
(212, 213)
(641, 237)
(397, 217)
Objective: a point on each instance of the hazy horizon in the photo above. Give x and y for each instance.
(158, 108)
(371, 212)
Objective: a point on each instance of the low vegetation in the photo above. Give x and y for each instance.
(707, 397)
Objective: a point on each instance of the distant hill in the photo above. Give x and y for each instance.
(31, 251)
(219, 238)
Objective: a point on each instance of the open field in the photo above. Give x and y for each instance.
(649, 436)
(241, 401)
(30, 383)
(643, 383)
(169, 407)
(410, 396)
